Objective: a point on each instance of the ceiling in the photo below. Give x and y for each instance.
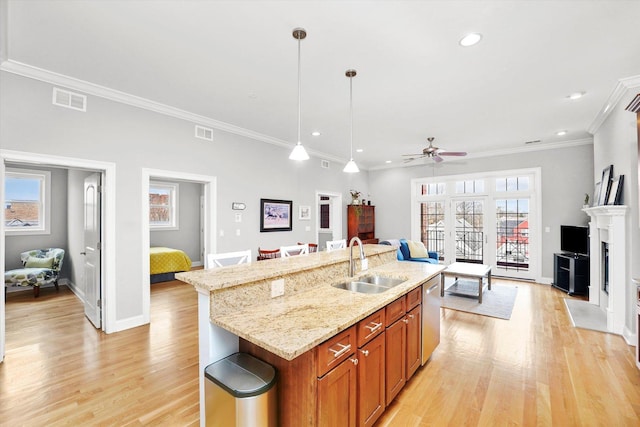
(235, 63)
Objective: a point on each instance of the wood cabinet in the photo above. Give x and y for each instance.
(371, 381)
(396, 359)
(337, 394)
(361, 222)
(414, 358)
(371, 368)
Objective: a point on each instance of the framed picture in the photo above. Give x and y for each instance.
(275, 215)
(304, 212)
(607, 174)
(596, 195)
(615, 194)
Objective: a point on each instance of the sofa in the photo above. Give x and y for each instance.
(406, 247)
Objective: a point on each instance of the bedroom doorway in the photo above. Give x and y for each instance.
(107, 256)
(202, 237)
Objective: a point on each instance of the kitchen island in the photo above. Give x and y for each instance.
(236, 310)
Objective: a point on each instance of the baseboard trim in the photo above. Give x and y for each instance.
(131, 322)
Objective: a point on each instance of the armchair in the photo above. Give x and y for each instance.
(41, 267)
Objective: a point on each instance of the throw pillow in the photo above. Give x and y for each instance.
(417, 249)
(33, 262)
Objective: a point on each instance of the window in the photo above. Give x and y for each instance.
(432, 189)
(27, 201)
(163, 206)
(513, 183)
(470, 186)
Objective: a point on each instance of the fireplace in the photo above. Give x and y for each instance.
(605, 267)
(609, 272)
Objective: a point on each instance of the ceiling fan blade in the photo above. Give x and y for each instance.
(437, 158)
(452, 153)
(414, 155)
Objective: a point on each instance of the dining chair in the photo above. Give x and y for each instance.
(313, 247)
(288, 251)
(228, 258)
(268, 254)
(333, 245)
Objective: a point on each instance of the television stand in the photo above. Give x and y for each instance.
(571, 273)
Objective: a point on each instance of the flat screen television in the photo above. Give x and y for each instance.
(574, 239)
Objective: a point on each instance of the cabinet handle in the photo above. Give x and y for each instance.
(373, 328)
(365, 352)
(411, 316)
(405, 320)
(354, 361)
(343, 350)
(432, 288)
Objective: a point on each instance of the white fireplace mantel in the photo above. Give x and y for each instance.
(608, 225)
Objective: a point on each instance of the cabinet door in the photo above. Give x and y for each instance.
(337, 395)
(413, 341)
(371, 390)
(396, 358)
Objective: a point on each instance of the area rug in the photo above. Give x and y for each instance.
(586, 315)
(497, 302)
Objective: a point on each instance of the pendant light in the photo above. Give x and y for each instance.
(351, 166)
(299, 153)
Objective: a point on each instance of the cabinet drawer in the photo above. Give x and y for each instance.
(395, 310)
(333, 351)
(414, 298)
(370, 327)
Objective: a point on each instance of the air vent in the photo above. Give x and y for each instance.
(324, 164)
(535, 141)
(64, 98)
(204, 133)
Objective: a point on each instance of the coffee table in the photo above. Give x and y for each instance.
(466, 270)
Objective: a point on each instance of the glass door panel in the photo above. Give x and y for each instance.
(512, 237)
(469, 230)
(432, 224)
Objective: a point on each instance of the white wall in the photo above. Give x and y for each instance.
(616, 143)
(134, 138)
(567, 175)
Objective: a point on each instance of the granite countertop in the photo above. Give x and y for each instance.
(219, 278)
(290, 325)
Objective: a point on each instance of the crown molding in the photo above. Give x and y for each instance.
(502, 152)
(89, 88)
(612, 101)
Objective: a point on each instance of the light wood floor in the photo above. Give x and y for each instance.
(534, 370)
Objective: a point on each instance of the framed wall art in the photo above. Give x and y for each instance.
(615, 193)
(304, 212)
(605, 186)
(275, 215)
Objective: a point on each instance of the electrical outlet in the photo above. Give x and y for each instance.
(238, 217)
(221, 233)
(364, 264)
(277, 288)
(237, 231)
(307, 228)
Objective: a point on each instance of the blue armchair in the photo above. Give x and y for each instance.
(41, 267)
(404, 253)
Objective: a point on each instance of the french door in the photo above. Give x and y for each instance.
(490, 219)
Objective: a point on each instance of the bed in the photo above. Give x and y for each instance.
(165, 262)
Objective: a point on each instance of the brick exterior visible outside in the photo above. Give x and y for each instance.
(19, 212)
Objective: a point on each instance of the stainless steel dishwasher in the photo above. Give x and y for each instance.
(430, 317)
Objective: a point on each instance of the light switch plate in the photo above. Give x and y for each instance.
(277, 288)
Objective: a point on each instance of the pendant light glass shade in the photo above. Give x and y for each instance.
(351, 166)
(299, 153)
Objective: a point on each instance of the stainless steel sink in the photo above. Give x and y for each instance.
(388, 282)
(369, 284)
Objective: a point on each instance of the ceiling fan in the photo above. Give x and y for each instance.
(434, 153)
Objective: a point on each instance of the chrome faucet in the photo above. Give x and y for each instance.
(352, 266)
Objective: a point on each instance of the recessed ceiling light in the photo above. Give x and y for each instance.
(359, 150)
(470, 39)
(561, 132)
(315, 133)
(387, 161)
(576, 95)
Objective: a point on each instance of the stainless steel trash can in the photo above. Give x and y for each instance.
(240, 391)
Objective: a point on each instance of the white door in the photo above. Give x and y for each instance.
(467, 231)
(92, 304)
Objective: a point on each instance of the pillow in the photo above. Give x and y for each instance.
(404, 249)
(33, 262)
(417, 249)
